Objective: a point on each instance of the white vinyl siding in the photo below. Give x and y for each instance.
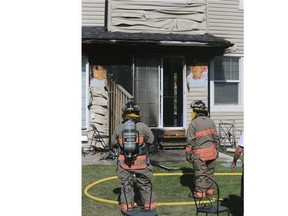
(93, 12)
(193, 94)
(226, 20)
(226, 117)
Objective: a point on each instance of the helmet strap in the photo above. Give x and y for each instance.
(134, 116)
(193, 115)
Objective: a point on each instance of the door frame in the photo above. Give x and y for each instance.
(85, 93)
(184, 89)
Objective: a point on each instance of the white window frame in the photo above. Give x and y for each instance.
(86, 94)
(226, 108)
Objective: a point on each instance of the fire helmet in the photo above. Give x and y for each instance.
(198, 105)
(131, 107)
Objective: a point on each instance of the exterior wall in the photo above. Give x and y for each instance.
(226, 20)
(93, 12)
(194, 94)
(159, 16)
(226, 116)
(220, 117)
(202, 94)
(222, 18)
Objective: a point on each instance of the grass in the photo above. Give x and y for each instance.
(166, 189)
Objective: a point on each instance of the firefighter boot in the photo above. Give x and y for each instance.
(210, 192)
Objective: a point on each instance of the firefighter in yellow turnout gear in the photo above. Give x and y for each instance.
(131, 138)
(201, 148)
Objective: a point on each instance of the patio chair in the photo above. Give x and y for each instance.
(227, 134)
(97, 137)
(206, 195)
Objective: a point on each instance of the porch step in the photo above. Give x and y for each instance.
(172, 141)
(170, 145)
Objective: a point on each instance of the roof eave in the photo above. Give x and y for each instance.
(97, 35)
(161, 43)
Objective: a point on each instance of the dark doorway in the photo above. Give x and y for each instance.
(172, 92)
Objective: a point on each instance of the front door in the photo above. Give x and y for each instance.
(158, 89)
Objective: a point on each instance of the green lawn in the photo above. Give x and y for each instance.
(168, 189)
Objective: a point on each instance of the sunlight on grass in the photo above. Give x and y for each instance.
(166, 189)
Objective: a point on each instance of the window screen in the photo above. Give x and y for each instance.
(147, 89)
(226, 93)
(226, 81)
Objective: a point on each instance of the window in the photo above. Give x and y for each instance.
(226, 81)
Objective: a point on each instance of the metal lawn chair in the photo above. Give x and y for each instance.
(227, 134)
(209, 201)
(97, 137)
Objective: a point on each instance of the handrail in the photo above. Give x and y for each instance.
(118, 97)
(126, 93)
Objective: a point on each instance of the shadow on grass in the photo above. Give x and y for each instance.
(235, 204)
(137, 197)
(186, 179)
(118, 192)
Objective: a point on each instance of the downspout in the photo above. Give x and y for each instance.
(207, 16)
(106, 16)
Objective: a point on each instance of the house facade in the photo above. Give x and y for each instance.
(163, 54)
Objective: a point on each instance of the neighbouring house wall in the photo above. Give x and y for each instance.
(226, 20)
(93, 12)
(159, 16)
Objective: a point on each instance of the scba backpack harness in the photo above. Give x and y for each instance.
(133, 155)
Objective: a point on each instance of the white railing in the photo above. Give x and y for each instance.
(118, 97)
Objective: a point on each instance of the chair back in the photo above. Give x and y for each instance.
(227, 134)
(94, 128)
(97, 133)
(203, 196)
